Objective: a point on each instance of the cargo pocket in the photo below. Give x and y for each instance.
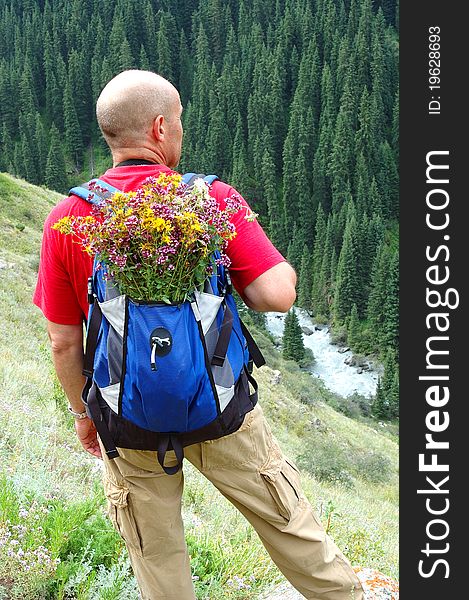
(234, 450)
(283, 484)
(121, 514)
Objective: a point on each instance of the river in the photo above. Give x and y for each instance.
(329, 364)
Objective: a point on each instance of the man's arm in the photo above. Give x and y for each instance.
(67, 355)
(274, 290)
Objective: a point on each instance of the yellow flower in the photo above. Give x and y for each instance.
(64, 225)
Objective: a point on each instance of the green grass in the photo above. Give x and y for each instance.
(51, 501)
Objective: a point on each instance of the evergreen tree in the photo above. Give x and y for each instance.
(295, 248)
(317, 290)
(28, 169)
(73, 138)
(304, 287)
(185, 69)
(270, 190)
(56, 176)
(378, 294)
(323, 287)
(143, 60)
(126, 59)
(41, 146)
(390, 331)
(292, 341)
(348, 285)
(164, 58)
(386, 402)
(354, 330)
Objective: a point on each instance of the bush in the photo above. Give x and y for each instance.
(353, 406)
(308, 360)
(328, 460)
(373, 467)
(325, 460)
(339, 336)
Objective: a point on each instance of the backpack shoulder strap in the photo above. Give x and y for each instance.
(189, 178)
(94, 191)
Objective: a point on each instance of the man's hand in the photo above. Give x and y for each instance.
(67, 354)
(86, 432)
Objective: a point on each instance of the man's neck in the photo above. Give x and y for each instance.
(134, 162)
(145, 155)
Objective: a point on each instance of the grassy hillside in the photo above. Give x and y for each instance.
(54, 539)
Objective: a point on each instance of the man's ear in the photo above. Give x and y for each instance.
(159, 128)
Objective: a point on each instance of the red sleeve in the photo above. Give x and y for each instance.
(62, 278)
(251, 252)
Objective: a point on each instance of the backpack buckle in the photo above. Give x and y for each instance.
(229, 286)
(90, 291)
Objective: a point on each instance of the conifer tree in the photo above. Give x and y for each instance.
(56, 176)
(73, 138)
(80, 92)
(185, 69)
(305, 284)
(380, 404)
(270, 190)
(292, 341)
(353, 330)
(40, 142)
(317, 291)
(378, 294)
(126, 60)
(390, 332)
(348, 285)
(386, 402)
(323, 287)
(395, 126)
(28, 168)
(295, 248)
(164, 58)
(143, 60)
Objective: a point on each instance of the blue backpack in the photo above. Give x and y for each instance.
(163, 376)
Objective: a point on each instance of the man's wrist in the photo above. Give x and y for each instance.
(78, 415)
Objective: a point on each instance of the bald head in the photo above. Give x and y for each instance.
(128, 105)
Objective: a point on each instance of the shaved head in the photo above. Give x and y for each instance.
(128, 105)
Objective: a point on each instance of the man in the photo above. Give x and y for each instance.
(139, 114)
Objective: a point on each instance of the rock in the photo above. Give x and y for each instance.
(6, 265)
(343, 349)
(360, 370)
(375, 585)
(349, 361)
(307, 330)
(276, 377)
(318, 425)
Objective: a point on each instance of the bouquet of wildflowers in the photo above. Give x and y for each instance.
(158, 243)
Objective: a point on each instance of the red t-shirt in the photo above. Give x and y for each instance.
(61, 290)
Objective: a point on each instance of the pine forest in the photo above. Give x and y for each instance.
(294, 102)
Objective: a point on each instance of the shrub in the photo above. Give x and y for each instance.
(328, 460)
(339, 336)
(373, 467)
(325, 460)
(353, 406)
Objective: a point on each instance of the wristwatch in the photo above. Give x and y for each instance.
(78, 415)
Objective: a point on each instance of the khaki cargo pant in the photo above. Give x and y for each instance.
(249, 469)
